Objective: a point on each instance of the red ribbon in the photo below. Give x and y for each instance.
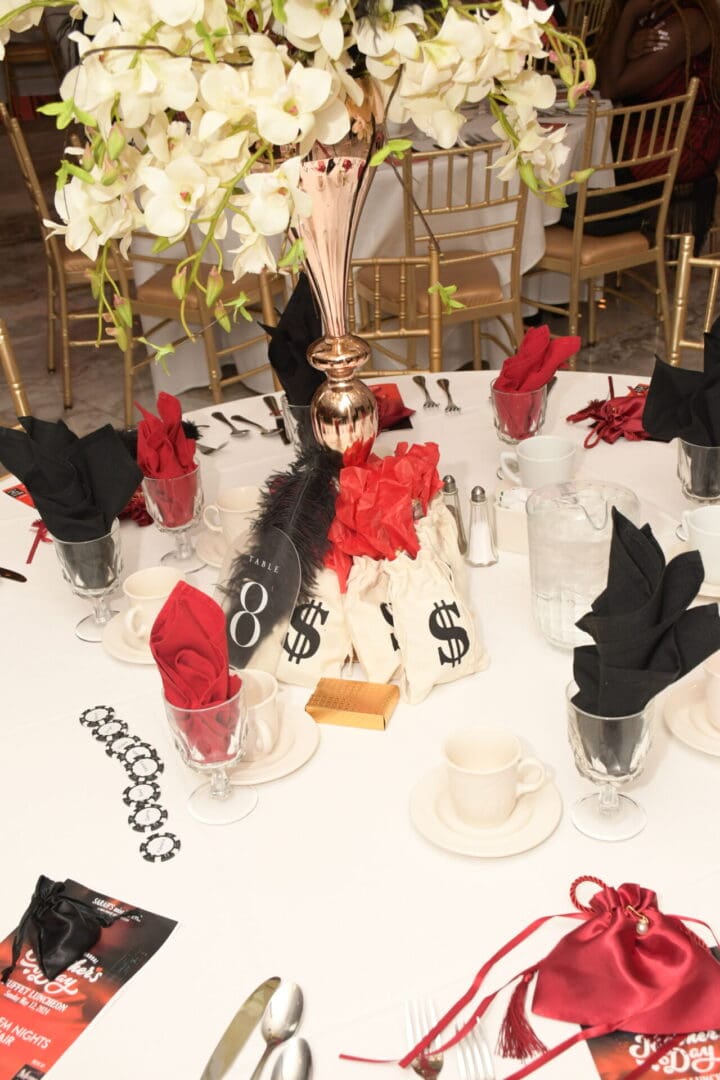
(615, 417)
(41, 537)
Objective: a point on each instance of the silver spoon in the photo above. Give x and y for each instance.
(254, 423)
(210, 449)
(280, 1020)
(237, 432)
(294, 1061)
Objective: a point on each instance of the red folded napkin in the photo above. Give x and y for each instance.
(164, 451)
(190, 649)
(391, 407)
(536, 361)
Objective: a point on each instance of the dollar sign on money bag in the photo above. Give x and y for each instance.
(306, 640)
(442, 626)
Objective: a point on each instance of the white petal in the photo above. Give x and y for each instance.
(164, 219)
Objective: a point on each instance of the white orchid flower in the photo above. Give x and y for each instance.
(252, 256)
(311, 24)
(175, 193)
(538, 146)
(531, 88)
(276, 198)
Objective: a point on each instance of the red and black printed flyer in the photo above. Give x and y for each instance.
(40, 1018)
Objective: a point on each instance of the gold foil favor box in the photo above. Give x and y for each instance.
(352, 703)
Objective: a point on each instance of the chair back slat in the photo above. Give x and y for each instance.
(691, 270)
(11, 371)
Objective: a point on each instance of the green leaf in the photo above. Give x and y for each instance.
(84, 118)
(204, 34)
(527, 175)
(121, 337)
(123, 312)
(397, 147)
(161, 352)
(109, 177)
(161, 244)
(238, 306)
(278, 10)
(116, 143)
(79, 172)
(53, 108)
(294, 256)
(447, 297)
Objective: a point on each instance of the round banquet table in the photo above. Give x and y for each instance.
(327, 883)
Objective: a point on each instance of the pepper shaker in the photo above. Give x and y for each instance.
(481, 546)
(452, 501)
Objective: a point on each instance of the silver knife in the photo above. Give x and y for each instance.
(238, 1030)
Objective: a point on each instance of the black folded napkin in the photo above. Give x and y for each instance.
(79, 486)
(60, 929)
(645, 636)
(298, 326)
(685, 404)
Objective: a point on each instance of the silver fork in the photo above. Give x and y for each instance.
(474, 1058)
(419, 380)
(444, 384)
(420, 1016)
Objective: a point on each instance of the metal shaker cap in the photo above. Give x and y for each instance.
(477, 495)
(449, 485)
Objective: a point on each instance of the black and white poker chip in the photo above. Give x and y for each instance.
(160, 847)
(110, 729)
(140, 792)
(117, 746)
(144, 768)
(95, 715)
(139, 749)
(147, 817)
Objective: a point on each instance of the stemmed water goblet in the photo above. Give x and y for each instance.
(212, 740)
(92, 569)
(610, 751)
(175, 503)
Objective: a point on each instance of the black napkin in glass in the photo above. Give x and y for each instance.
(59, 928)
(79, 486)
(685, 404)
(645, 636)
(298, 326)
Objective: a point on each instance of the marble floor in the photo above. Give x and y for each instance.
(629, 337)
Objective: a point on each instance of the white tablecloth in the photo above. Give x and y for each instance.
(381, 232)
(326, 883)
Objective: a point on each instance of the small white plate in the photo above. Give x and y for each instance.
(686, 716)
(115, 644)
(297, 742)
(534, 818)
(211, 548)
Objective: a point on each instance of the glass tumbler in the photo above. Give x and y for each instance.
(698, 470)
(175, 505)
(212, 740)
(92, 569)
(610, 751)
(518, 414)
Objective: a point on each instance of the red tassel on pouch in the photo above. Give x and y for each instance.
(517, 1039)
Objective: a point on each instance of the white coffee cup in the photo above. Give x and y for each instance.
(232, 512)
(263, 728)
(487, 773)
(147, 590)
(541, 460)
(711, 667)
(701, 529)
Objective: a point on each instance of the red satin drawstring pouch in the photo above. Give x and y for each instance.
(614, 418)
(627, 966)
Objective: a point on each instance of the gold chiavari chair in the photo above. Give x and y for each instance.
(586, 18)
(653, 133)
(408, 273)
(67, 274)
(687, 265)
(455, 203)
(155, 299)
(11, 371)
(30, 49)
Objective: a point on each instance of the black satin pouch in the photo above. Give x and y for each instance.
(58, 927)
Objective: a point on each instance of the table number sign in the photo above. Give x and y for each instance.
(40, 1017)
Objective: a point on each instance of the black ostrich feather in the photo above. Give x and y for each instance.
(299, 502)
(129, 436)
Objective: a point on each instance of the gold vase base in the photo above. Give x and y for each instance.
(344, 412)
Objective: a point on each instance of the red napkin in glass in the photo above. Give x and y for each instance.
(163, 449)
(189, 645)
(391, 407)
(536, 361)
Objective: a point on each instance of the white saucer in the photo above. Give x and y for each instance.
(708, 588)
(211, 548)
(686, 716)
(534, 818)
(297, 742)
(115, 644)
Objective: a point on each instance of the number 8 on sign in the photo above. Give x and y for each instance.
(248, 612)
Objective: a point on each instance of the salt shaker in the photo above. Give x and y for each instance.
(452, 501)
(481, 546)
